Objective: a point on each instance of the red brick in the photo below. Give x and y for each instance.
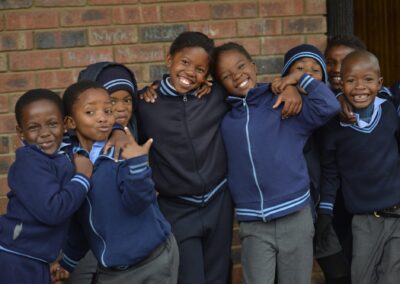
(83, 57)
(315, 7)
(279, 45)
(111, 2)
(304, 25)
(113, 35)
(1, 22)
(252, 45)
(220, 29)
(31, 20)
(55, 79)
(157, 1)
(276, 8)
(4, 145)
(85, 17)
(16, 41)
(11, 82)
(60, 3)
(258, 27)
(135, 15)
(3, 205)
(140, 53)
(265, 78)
(186, 12)
(5, 163)
(318, 40)
(4, 104)
(34, 60)
(234, 10)
(15, 142)
(3, 62)
(3, 186)
(7, 124)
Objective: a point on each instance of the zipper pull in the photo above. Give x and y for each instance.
(184, 99)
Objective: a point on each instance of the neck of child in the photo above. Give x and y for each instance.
(84, 142)
(365, 112)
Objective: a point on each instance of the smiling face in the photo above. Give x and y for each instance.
(236, 72)
(334, 58)
(92, 117)
(122, 106)
(42, 124)
(188, 68)
(361, 80)
(309, 66)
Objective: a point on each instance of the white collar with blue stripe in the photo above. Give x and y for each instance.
(364, 126)
(95, 152)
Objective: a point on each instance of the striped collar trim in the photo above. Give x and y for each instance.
(367, 127)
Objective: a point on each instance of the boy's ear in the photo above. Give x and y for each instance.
(69, 123)
(168, 60)
(19, 132)
(380, 80)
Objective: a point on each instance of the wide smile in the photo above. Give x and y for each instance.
(185, 81)
(244, 84)
(360, 98)
(46, 144)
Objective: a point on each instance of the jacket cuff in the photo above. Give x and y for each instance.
(83, 180)
(308, 83)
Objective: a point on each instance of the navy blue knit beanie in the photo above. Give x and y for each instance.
(304, 51)
(115, 78)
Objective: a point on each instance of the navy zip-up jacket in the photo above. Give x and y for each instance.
(188, 155)
(120, 220)
(44, 194)
(267, 172)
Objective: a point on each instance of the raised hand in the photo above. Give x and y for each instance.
(131, 149)
(58, 274)
(149, 94)
(292, 100)
(204, 89)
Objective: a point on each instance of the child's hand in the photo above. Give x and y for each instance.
(280, 83)
(117, 140)
(346, 115)
(204, 89)
(58, 274)
(83, 165)
(150, 95)
(293, 102)
(131, 149)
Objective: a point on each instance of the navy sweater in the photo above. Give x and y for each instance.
(44, 194)
(367, 161)
(267, 172)
(120, 220)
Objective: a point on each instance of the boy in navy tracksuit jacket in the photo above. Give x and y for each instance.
(120, 220)
(267, 173)
(365, 156)
(44, 191)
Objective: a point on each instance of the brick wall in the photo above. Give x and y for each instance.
(44, 43)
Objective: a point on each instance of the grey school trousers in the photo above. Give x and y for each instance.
(161, 266)
(284, 246)
(376, 250)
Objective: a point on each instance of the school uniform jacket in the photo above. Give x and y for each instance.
(187, 156)
(120, 220)
(366, 158)
(44, 194)
(267, 172)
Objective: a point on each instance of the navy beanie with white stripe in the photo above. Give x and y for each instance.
(115, 78)
(304, 51)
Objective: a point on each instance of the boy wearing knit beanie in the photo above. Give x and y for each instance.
(328, 251)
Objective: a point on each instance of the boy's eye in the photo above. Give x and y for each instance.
(300, 68)
(185, 62)
(241, 66)
(201, 70)
(53, 124)
(349, 80)
(127, 101)
(316, 71)
(89, 112)
(113, 102)
(108, 111)
(33, 128)
(226, 77)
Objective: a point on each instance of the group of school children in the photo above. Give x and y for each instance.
(113, 185)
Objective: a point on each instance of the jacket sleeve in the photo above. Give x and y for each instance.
(330, 180)
(75, 247)
(136, 185)
(33, 179)
(319, 105)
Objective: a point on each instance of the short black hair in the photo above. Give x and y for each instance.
(223, 48)
(347, 40)
(73, 92)
(33, 96)
(191, 39)
(362, 55)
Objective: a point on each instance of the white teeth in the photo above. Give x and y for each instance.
(184, 81)
(336, 78)
(243, 84)
(360, 97)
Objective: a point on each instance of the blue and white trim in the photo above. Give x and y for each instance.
(109, 85)
(21, 254)
(201, 199)
(82, 180)
(272, 212)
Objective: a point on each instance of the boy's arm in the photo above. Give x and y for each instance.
(36, 185)
(75, 247)
(319, 105)
(136, 185)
